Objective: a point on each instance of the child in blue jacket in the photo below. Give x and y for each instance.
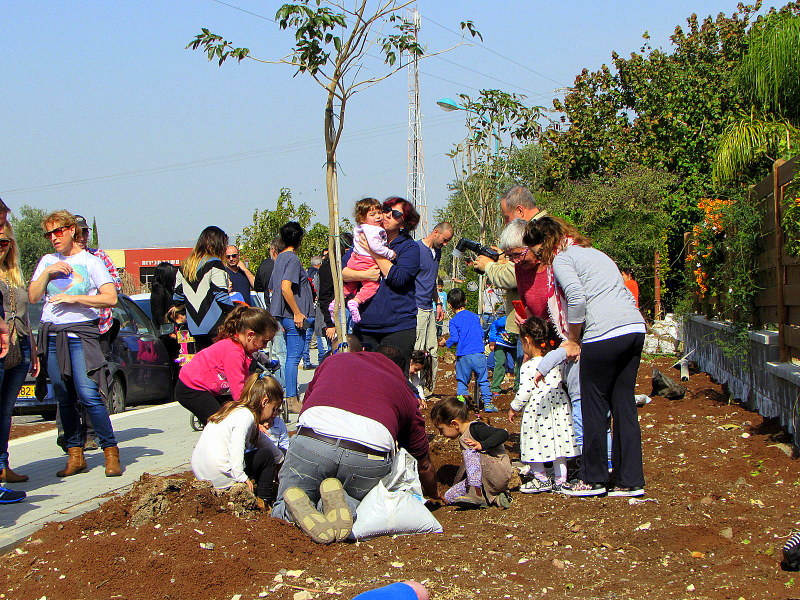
(466, 332)
(504, 347)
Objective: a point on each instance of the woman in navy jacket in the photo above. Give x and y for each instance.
(390, 318)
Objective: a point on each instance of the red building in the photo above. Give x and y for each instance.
(140, 263)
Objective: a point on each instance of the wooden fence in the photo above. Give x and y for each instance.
(778, 302)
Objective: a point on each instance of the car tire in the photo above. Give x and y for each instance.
(115, 403)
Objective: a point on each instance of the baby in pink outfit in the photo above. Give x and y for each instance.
(369, 221)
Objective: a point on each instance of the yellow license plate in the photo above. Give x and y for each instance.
(27, 391)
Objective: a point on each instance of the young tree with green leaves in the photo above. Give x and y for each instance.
(331, 39)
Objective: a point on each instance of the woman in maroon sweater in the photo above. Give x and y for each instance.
(356, 409)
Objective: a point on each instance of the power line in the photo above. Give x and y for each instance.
(532, 93)
(230, 158)
(244, 11)
(485, 47)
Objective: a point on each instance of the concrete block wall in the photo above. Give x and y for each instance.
(757, 379)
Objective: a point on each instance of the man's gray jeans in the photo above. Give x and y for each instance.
(308, 462)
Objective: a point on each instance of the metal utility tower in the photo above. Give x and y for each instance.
(415, 184)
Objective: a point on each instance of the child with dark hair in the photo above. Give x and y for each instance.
(369, 229)
(547, 432)
(466, 334)
(487, 469)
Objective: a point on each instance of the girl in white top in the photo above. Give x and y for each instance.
(234, 446)
(368, 230)
(547, 432)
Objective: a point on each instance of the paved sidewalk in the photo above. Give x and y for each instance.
(156, 440)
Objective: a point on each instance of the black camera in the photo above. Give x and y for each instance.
(476, 247)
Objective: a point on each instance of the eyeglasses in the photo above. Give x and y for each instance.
(5, 243)
(58, 232)
(231, 255)
(515, 256)
(396, 214)
(537, 253)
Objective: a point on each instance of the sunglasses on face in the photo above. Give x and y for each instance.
(5, 243)
(537, 253)
(396, 214)
(232, 255)
(58, 232)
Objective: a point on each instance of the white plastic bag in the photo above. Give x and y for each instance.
(395, 505)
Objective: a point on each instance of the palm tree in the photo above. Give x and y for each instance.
(769, 79)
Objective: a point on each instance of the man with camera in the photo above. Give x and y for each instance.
(516, 203)
(430, 253)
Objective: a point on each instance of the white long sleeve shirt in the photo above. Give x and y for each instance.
(218, 456)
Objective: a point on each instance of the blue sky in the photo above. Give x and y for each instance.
(105, 113)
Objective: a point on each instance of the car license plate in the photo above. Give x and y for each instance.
(27, 391)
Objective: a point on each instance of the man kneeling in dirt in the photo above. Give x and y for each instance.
(358, 408)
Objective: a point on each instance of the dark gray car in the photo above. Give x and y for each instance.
(139, 364)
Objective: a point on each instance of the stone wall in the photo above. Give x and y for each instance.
(757, 379)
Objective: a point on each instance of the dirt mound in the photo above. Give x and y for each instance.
(721, 501)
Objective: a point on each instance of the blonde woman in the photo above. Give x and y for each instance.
(202, 285)
(76, 285)
(19, 362)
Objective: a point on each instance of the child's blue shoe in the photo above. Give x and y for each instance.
(490, 408)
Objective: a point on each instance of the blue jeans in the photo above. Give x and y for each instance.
(467, 365)
(12, 380)
(278, 351)
(79, 388)
(308, 462)
(323, 348)
(309, 335)
(295, 339)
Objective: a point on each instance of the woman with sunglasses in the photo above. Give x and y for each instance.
(75, 284)
(390, 318)
(203, 287)
(23, 359)
(606, 330)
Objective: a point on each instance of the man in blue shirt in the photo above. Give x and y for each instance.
(430, 253)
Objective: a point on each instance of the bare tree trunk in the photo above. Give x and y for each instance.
(334, 247)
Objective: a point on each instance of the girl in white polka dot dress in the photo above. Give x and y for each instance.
(546, 432)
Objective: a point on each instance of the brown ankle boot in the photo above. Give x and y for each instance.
(295, 404)
(75, 462)
(113, 468)
(9, 476)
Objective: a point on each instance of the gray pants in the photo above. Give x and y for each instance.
(427, 340)
(308, 462)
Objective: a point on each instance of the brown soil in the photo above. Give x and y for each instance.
(22, 429)
(722, 498)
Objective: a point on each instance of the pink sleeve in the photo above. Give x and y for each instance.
(237, 367)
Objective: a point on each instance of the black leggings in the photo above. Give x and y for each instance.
(259, 465)
(608, 381)
(402, 340)
(200, 403)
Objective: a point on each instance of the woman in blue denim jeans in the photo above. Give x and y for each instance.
(15, 304)
(76, 284)
(292, 304)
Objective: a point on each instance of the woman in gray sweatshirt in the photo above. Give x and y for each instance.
(607, 331)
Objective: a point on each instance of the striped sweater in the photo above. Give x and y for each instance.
(207, 300)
